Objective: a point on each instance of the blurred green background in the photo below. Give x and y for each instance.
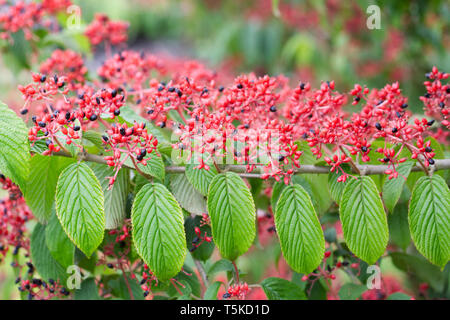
(308, 40)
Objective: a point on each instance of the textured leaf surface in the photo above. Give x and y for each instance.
(42, 259)
(299, 230)
(429, 219)
(278, 188)
(282, 289)
(363, 219)
(392, 189)
(200, 178)
(14, 147)
(79, 206)
(190, 199)
(116, 197)
(320, 195)
(232, 212)
(158, 230)
(41, 184)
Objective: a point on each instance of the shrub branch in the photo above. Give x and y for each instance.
(368, 169)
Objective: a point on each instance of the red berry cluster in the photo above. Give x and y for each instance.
(321, 122)
(325, 272)
(125, 143)
(122, 234)
(148, 281)
(206, 220)
(239, 291)
(132, 68)
(39, 289)
(66, 63)
(102, 29)
(199, 239)
(437, 98)
(62, 115)
(14, 213)
(254, 121)
(25, 16)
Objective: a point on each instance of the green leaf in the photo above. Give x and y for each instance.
(41, 184)
(337, 188)
(399, 296)
(120, 288)
(79, 206)
(421, 268)
(392, 189)
(320, 194)
(14, 147)
(363, 219)
(189, 199)
(84, 262)
(220, 266)
(429, 219)
(45, 264)
(87, 291)
(282, 289)
(212, 291)
(374, 156)
(278, 188)
(200, 178)
(94, 137)
(59, 245)
(398, 226)
(116, 197)
(232, 213)
(351, 291)
(158, 230)
(155, 166)
(299, 230)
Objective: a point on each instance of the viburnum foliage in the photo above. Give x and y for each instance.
(121, 175)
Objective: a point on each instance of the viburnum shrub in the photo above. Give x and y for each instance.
(115, 176)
